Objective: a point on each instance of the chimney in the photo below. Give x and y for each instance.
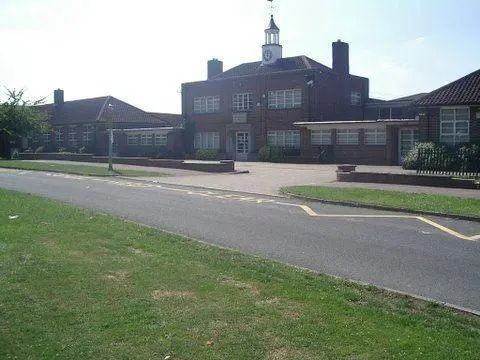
(340, 62)
(58, 97)
(215, 67)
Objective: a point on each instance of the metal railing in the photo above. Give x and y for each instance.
(463, 165)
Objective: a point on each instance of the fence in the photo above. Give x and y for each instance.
(466, 164)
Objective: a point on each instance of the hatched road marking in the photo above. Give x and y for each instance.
(253, 199)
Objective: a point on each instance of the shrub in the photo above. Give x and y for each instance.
(208, 154)
(272, 153)
(411, 159)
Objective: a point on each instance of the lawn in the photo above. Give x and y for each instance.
(76, 284)
(439, 204)
(86, 170)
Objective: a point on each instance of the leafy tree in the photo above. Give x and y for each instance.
(20, 118)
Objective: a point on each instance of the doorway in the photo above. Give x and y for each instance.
(242, 145)
(407, 138)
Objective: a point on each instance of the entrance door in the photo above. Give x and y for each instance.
(242, 145)
(407, 139)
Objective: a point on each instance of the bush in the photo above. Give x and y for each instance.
(208, 154)
(439, 157)
(273, 153)
(411, 159)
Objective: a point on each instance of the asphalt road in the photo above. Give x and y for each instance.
(403, 254)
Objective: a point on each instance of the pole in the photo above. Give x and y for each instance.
(110, 149)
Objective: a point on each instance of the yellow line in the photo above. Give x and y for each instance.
(311, 212)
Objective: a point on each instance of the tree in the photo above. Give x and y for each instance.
(19, 118)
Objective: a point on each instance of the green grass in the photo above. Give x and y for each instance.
(75, 169)
(80, 285)
(440, 204)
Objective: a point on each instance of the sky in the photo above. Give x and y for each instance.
(142, 51)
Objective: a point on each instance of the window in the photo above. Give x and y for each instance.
(59, 135)
(321, 137)
(284, 138)
(207, 140)
(285, 99)
(72, 136)
(87, 134)
(454, 125)
(347, 137)
(375, 137)
(47, 139)
(132, 140)
(146, 139)
(161, 139)
(242, 102)
(355, 98)
(206, 104)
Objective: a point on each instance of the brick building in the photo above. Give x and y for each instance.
(451, 114)
(256, 104)
(82, 125)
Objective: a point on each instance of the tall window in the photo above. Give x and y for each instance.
(454, 125)
(206, 104)
(72, 135)
(242, 102)
(132, 140)
(59, 135)
(285, 99)
(161, 139)
(347, 137)
(355, 98)
(146, 139)
(207, 140)
(321, 137)
(47, 139)
(87, 134)
(375, 137)
(284, 138)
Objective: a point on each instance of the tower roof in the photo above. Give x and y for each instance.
(272, 25)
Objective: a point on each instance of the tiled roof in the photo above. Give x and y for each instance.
(464, 91)
(95, 110)
(284, 64)
(174, 120)
(414, 97)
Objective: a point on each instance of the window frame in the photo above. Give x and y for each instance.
(207, 140)
(355, 98)
(59, 135)
(47, 138)
(323, 134)
(161, 139)
(377, 140)
(284, 138)
(87, 132)
(454, 134)
(242, 102)
(349, 133)
(284, 99)
(206, 104)
(146, 140)
(132, 140)
(72, 135)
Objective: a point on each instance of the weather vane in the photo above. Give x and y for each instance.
(271, 5)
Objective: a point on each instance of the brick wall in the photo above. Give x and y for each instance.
(329, 99)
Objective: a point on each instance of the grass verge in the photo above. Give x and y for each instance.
(85, 170)
(77, 284)
(440, 204)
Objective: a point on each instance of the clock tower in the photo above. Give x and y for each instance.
(271, 50)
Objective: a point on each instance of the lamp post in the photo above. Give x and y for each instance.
(110, 137)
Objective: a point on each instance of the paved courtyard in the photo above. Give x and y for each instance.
(268, 178)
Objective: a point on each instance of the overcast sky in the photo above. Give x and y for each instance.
(141, 51)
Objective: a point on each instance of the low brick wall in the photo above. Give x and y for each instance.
(210, 166)
(405, 179)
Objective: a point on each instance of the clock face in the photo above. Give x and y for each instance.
(267, 55)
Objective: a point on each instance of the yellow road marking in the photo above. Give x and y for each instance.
(305, 208)
(311, 212)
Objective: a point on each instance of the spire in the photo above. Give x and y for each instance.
(273, 26)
